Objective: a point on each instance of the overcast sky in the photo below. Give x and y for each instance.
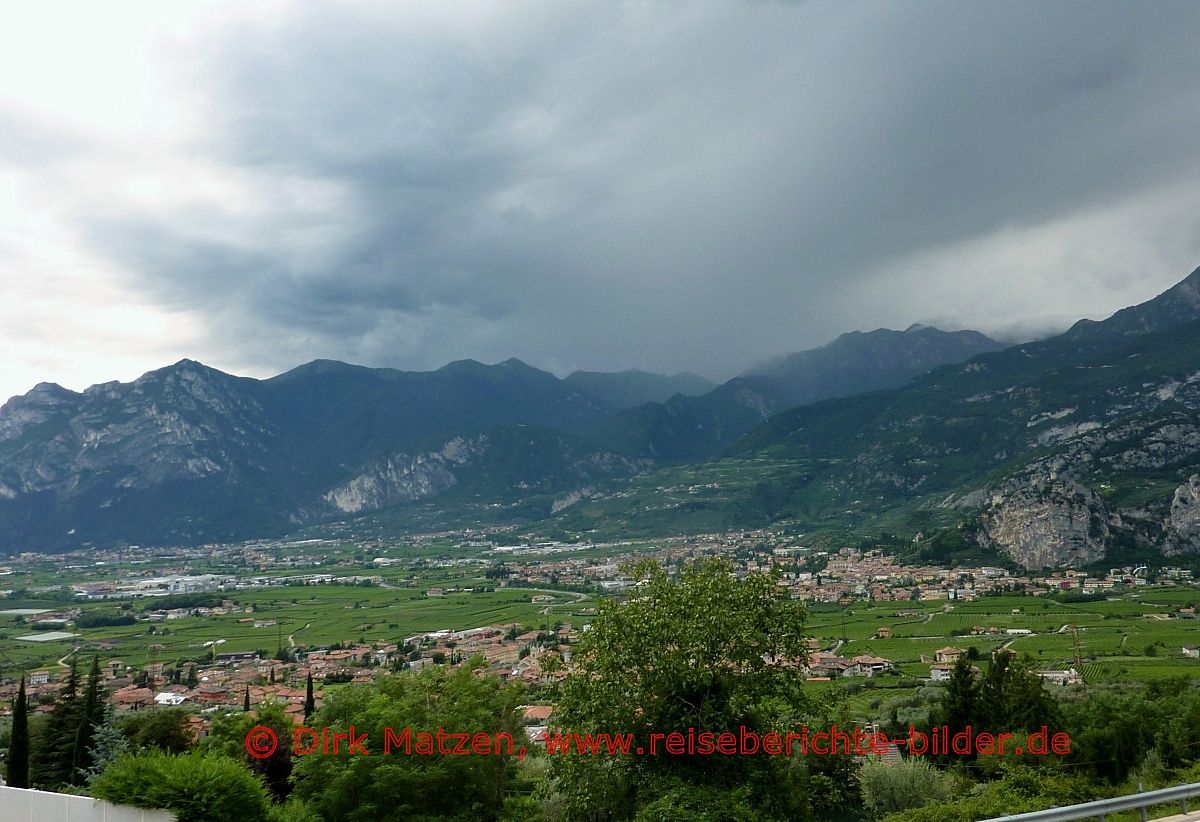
(662, 185)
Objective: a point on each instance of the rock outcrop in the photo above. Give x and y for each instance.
(1183, 520)
(1050, 523)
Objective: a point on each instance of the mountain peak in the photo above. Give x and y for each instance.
(50, 389)
(516, 364)
(44, 394)
(185, 367)
(322, 366)
(868, 361)
(466, 364)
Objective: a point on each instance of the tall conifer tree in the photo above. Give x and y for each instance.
(52, 763)
(18, 746)
(91, 715)
(310, 702)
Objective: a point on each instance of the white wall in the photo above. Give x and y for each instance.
(21, 805)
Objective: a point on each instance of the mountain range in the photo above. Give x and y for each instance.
(1063, 451)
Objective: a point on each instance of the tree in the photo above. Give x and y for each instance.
(705, 651)
(246, 701)
(423, 785)
(310, 701)
(228, 737)
(53, 759)
(195, 787)
(91, 714)
(1010, 696)
(961, 705)
(164, 730)
(18, 744)
(108, 743)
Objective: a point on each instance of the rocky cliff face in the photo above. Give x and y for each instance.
(1183, 519)
(1049, 514)
(404, 477)
(176, 424)
(1048, 523)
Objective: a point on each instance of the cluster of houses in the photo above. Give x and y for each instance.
(843, 576)
(944, 661)
(230, 678)
(822, 666)
(224, 683)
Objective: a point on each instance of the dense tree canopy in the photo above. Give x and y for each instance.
(397, 786)
(228, 737)
(702, 651)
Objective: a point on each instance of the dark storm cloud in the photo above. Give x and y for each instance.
(667, 185)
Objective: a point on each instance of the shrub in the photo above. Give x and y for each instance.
(195, 787)
(909, 784)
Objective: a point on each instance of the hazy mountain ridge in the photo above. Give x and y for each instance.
(1065, 447)
(857, 362)
(189, 453)
(626, 389)
(1052, 452)
(1175, 306)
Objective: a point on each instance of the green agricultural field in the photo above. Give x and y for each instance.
(1129, 635)
(304, 616)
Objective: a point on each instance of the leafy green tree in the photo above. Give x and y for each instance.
(380, 788)
(704, 651)
(228, 737)
(310, 701)
(1111, 730)
(827, 785)
(195, 787)
(164, 730)
(17, 763)
(1013, 697)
